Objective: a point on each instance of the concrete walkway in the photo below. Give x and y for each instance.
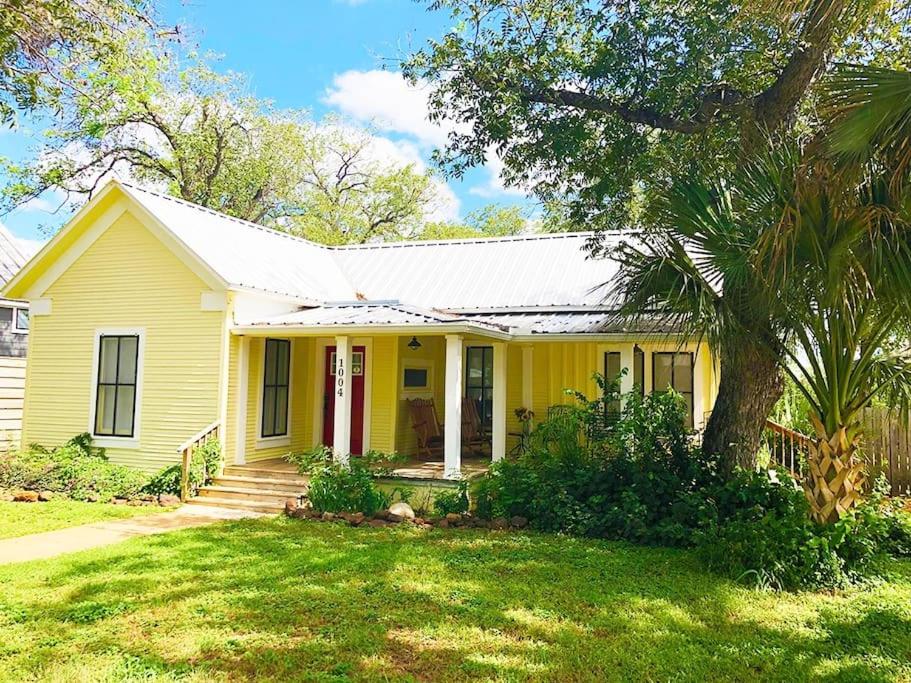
(75, 538)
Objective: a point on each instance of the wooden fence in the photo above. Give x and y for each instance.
(886, 448)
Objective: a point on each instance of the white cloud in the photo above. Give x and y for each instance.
(386, 100)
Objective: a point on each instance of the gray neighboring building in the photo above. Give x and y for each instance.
(14, 325)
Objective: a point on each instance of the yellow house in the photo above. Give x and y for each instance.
(153, 320)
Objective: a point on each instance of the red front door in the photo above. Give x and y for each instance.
(358, 368)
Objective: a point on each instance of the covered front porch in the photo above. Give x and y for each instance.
(353, 377)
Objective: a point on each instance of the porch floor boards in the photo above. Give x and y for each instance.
(414, 468)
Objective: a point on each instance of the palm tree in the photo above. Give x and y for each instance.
(827, 259)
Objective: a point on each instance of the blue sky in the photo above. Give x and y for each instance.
(323, 55)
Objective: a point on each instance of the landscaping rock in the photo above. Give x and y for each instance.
(480, 523)
(433, 520)
(378, 523)
(25, 496)
(381, 514)
(419, 521)
(453, 517)
(7, 497)
(328, 516)
(499, 523)
(45, 496)
(118, 501)
(403, 510)
(443, 524)
(394, 518)
(301, 513)
(518, 522)
(168, 500)
(356, 519)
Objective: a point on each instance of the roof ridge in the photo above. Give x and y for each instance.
(396, 244)
(402, 244)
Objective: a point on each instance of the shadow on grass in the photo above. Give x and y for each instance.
(273, 599)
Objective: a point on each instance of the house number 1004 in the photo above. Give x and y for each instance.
(340, 377)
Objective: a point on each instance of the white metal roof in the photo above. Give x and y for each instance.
(528, 270)
(11, 256)
(247, 255)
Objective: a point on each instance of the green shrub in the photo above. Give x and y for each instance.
(75, 469)
(638, 476)
(204, 465)
(452, 500)
(336, 488)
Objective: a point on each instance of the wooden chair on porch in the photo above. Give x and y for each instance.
(430, 432)
(474, 439)
(426, 425)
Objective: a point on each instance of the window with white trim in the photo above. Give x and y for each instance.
(20, 320)
(276, 377)
(115, 393)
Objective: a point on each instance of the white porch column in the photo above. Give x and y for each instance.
(240, 408)
(341, 435)
(626, 361)
(699, 388)
(498, 435)
(452, 438)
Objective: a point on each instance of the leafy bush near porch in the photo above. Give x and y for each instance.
(639, 477)
(203, 467)
(75, 469)
(336, 488)
(452, 501)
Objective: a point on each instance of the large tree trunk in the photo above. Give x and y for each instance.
(836, 475)
(750, 386)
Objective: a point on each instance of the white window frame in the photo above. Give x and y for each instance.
(283, 439)
(15, 322)
(117, 441)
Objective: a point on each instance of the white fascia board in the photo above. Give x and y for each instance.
(365, 330)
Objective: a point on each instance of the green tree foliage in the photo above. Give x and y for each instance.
(489, 221)
(598, 100)
(46, 46)
(201, 136)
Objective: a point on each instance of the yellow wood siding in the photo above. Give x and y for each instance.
(384, 393)
(126, 279)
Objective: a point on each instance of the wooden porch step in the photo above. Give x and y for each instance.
(234, 493)
(261, 471)
(238, 504)
(290, 484)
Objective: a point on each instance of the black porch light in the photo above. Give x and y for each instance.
(414, 344)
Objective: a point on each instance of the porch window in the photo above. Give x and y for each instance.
(276, 375)
(115, 393)
(675, 371)
(479, 380)
(611, 374)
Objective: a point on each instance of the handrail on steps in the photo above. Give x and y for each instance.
(787, 447)
(200, 438)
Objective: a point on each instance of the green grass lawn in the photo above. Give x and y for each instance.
(19, 519)
(294, 600)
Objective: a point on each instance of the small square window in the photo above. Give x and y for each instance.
(20, 320)
(416, 378)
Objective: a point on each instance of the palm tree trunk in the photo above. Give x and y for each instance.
(836, 474)
(750, 386)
